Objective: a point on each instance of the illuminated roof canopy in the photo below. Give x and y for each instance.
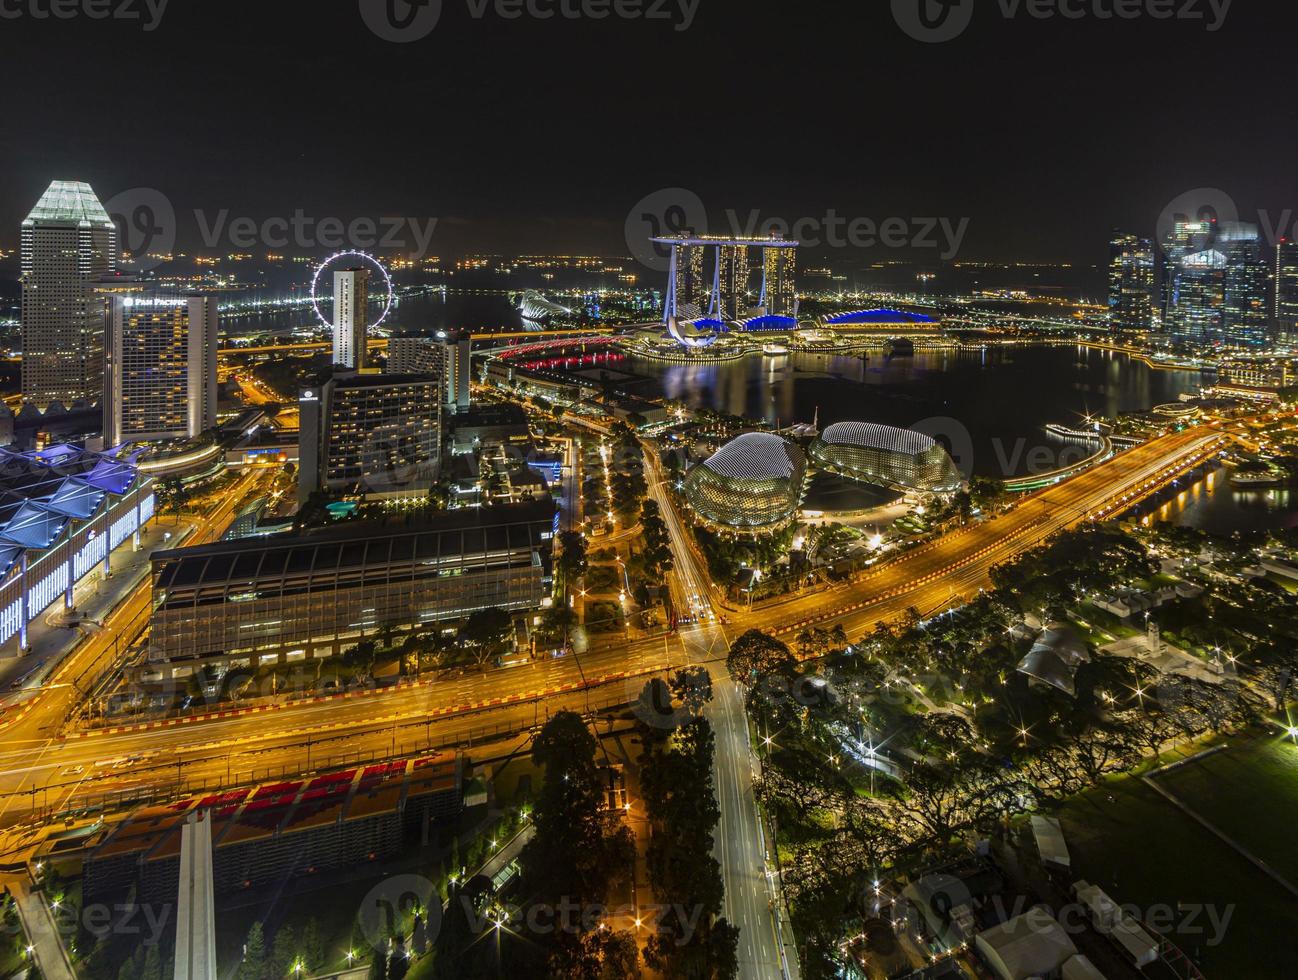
(70, 201)
(724, 240)
(770, 322)
(754, 456)
(873, 436)
(878, 316)
(41, 492)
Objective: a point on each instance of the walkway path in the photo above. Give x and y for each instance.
(42, 933)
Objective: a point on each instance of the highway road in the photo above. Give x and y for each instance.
(740, 845)
(928, 579)
(33, 734)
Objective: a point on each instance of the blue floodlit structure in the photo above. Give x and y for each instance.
(771, 323)
(880, 317)
(62, 512)
(670, 307)
(707, 331)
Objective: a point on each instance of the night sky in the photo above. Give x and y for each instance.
(530, 135)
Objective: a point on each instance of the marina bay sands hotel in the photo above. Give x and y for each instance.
(724, 295)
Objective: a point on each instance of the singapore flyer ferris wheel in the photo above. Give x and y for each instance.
(333, 260)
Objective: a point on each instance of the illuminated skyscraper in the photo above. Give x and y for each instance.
(1216, 284)
(68, 243)
(1286, 289)
(373, 434)
(724, 294)
(733, 280)
(779, 281)
(1131, 283)
(1245, 315)
(351, 317)
(160, 377)
(691, 288)
(1197, 298)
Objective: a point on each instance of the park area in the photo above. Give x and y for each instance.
(1143, 850)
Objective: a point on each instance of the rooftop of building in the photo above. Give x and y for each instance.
(877, 316)
(374, 379)
(352, 543)
(755, 456)
(42, 492)
(70, 202)
(493, 413)
(871, 435)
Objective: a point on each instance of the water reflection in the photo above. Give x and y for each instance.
(1213, 504)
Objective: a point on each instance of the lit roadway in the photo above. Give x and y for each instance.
(41, 771)
(33, 754)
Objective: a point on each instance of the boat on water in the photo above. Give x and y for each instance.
(1257, 476)
(774, 350)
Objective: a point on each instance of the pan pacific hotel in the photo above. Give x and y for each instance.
(63, 511)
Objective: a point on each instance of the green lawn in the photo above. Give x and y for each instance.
(1129, 840)
(1250, 792)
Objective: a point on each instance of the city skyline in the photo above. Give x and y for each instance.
(944, 159)
(710, 489)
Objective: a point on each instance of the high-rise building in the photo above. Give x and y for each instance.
(1246, 285)
(448, 356)
(372, 434)
(1246, 320)
(160, 368)
(1217, 284)
(1286, 289)
(1185, 238)
(779, 281)
(733, 281)
(691, 288)
(1197, 298)
(351, 317)
(1131, 283)
(68, 243)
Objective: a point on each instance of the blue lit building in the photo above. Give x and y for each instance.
(62, 512)
(883, 320)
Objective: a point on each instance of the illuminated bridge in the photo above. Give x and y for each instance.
(549, 348)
